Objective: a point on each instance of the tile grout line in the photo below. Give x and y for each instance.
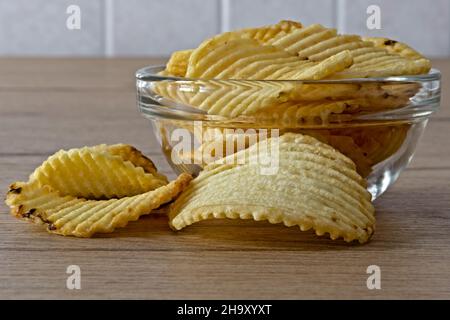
(340, 15)
(109, 28)
(224, 11)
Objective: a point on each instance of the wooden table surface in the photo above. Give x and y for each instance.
(48, 104)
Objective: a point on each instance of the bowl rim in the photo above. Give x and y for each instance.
(149, 73)
(170, 110)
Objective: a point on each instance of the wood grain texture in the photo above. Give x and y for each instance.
(43, 109)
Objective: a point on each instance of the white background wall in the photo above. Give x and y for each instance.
(157, 27)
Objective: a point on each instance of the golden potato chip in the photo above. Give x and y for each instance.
(267, 33)
(314, 186)
(100, 172)
(165, 73)
(294, 113)
(392, 95)
(226, 57)
(223, 57)
(129, 153)
(221, 143)
(178, 62)
(233, 55)
(347, 146)
(372, 58)
(72, 216)
(317, 43)
(394, 46)
(224, 98)
(378, 62)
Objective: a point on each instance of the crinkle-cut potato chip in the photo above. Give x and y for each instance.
(293, 113)
(128, 153)
(165, 73)
(374, 93)
(393, 46)
(178, 62)
(364, 155)
(371, 57)
(225, 97)
(72, 216)
(222, 145)
(99, 172)
(378, 62)
(347, 146)
(266, 33)
(315, 187)
(223, 57)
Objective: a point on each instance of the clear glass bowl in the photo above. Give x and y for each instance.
(377, 122)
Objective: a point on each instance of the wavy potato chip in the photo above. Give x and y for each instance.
(225, 57)
(266, 33)
(178, 63)
(379, 62)
(250, 54)
(315, 187)
(225, 98)
(372, 57)
(347, 146)
(72, 216)
(294, 113)
(228, 57)
(129, 153)
(179, 60)
(364, 150)
(100, 172)
(396, 47)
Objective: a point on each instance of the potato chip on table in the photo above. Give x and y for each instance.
(79, 217)
(89, 190)
(100, 172)
(314, 186)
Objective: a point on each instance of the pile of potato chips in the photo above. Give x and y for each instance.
(91, 190)
(247, 76)
(318, 180)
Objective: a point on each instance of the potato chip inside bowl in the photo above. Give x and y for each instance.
(369, 98)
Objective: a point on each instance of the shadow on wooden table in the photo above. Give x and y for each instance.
(225, 234)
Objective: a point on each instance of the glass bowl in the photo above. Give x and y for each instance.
(376, 122)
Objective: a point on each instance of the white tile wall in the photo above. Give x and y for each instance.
(250, 13)
(157, 27)
(38, 27)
